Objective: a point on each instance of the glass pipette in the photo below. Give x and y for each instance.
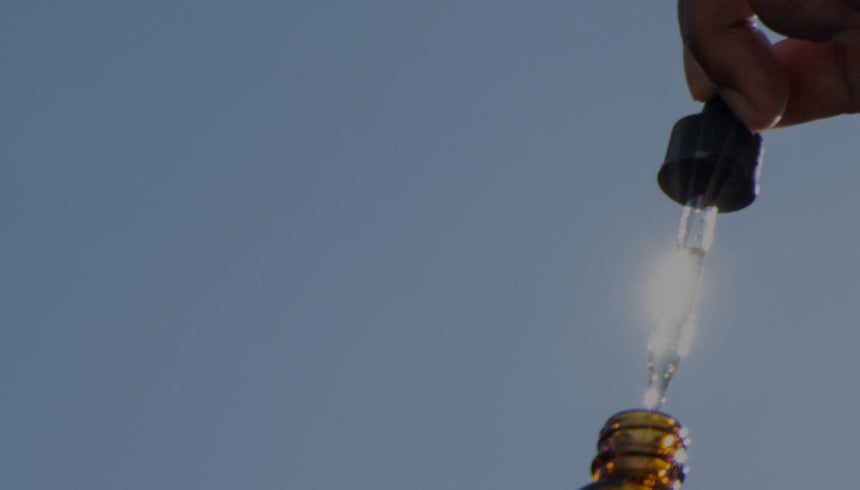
(673, 299)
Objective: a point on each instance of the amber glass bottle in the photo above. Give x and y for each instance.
(639, 450)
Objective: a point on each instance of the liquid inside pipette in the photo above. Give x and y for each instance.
(673, 298)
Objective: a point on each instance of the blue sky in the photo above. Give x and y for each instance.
(388, 245)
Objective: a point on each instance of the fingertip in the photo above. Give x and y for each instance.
(824, 80)
(754, 117)
(700, 86)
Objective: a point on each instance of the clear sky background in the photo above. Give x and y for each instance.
(392, 245)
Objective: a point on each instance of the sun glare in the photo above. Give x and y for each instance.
(671, 292)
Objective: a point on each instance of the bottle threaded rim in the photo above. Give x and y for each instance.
(642, 446)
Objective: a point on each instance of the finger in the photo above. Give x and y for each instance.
(814, 20)
(824, 79)
(736, 58)
(700, 86)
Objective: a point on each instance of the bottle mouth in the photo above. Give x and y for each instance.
(642, 446)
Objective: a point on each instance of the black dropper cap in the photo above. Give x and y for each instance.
(712, 155)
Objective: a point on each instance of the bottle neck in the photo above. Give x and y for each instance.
(642, 449)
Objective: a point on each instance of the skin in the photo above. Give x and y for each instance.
(813, 74)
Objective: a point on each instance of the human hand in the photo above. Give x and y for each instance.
(813, 74)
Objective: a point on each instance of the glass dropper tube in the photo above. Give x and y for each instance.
(673, 299)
